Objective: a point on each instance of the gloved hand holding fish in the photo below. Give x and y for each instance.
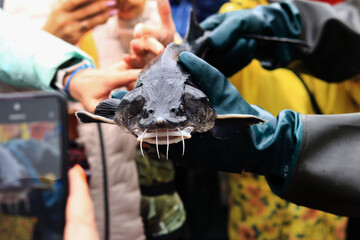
(166, 106)
(269, 33)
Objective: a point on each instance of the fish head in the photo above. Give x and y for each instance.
(165, 107)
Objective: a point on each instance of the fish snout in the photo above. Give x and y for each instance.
(162, 122)
(162, 118)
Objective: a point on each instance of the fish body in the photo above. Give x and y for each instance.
(165, 106)
(165, 102)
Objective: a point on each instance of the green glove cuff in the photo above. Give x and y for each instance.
(280, 185)
(326, 175)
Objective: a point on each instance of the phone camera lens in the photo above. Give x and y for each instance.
(17, 106)
(51, 115)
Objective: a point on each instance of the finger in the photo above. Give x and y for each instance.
(133, 61)
(79, 196)
(91, 104)
(80, 218)
(165, 32)
(213, 21)
(121, 78)
(70, 5)
(90, 23)
(230, 62)
(164, 10)
(77, 182)
(206, 77)
(145, 45)
(131, 85)
(198, 68)
(225, 35)
(94, 8)
(142, 30)
(121, 66)
(129, 10)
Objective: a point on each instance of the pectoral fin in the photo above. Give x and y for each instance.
(107, 108)
(247, 119)
(87, 117)
(232, 124)
(104, 112)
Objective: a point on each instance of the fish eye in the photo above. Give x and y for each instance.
(173, 110)
(151, 111)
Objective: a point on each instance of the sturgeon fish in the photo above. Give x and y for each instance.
(166, 107)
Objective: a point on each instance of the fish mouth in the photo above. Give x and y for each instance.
(165, 137)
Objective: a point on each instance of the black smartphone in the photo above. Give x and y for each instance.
(33, 165)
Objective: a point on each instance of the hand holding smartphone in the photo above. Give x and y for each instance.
(33, 165)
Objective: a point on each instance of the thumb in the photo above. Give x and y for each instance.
(212, 21)
(121, 78)
(205, 76)
(164, 10)
(78, 182)
(79, 201)
(197, 67)
(80, 217)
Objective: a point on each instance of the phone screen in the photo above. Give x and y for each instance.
(33, 182)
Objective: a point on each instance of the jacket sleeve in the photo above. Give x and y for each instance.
(29, 57)
(332, 33)
(326, 174)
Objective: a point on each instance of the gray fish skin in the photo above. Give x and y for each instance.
(165, 98)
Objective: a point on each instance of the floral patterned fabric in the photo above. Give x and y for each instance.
(16, 228)
(256, 213)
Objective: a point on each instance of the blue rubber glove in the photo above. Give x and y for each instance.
(231, 46)
(119, 94)
(269, 148)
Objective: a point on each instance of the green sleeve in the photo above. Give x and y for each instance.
(29, 57)
(325, 175)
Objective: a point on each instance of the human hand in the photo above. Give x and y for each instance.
(129, 9)
(164, 32)
(232, 50)
(91, 86)
(143, 51)
(71, 19)
(231, 145)
(223, 96)
(150, 40)
(80, 217)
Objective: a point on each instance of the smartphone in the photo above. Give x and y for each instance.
(33, 165)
